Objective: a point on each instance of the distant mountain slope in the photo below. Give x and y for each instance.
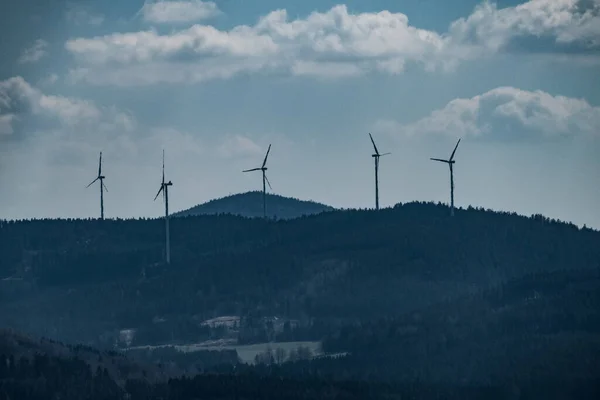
(544, 326)
(31, 370)
(250, 204)
(16, 346)
(90, 279)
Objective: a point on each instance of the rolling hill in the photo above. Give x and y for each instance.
(250, 204)
(409, 292)
(39, 369)
(86, 280)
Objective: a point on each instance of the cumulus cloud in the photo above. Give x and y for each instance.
(507, 113)
(36, 52)
(19, 101)
(178, 11)
(49, 148)
(536, 25)
(331, 44)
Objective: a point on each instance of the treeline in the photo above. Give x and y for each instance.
(250, 204)
(92, 277)
(191, 362)
(46, 378)
(541, 327)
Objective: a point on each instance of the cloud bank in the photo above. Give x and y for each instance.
(335, 43)
(506, 113)
(21, 102)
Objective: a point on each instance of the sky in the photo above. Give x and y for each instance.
(214, 83)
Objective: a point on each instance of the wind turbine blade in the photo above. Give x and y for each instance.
(253, 169)
(440, 160)
(385, 154)
(456, 147)
(268, 183)
(100, 165)
(91, 183)
(159, 191)
(375, 147)
(163, 168)
(105, 188)
(266, 156)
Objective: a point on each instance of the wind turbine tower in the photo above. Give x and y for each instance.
(376, 157)
(265, 180)
(164, 189)
(103, 188)
(450, 163)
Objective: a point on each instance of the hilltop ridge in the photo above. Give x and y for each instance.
(250, 204)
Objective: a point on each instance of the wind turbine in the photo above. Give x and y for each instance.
(164, 188)
(103, 188)
(265, 180)
(450, 163)
(376, 157)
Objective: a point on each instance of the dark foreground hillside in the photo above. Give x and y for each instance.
(250, 205)
(84, 281)
(544, 327)
(69, 376)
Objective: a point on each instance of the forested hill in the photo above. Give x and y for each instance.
(33, 370)
(250, 204)
(79, 279)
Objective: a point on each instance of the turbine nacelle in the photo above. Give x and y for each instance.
(263, 168)
(450, 162)
(444, 161)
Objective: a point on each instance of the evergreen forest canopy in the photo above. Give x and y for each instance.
(250, 204)
(406, 293)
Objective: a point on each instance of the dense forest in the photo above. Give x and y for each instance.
(68, 376)
(84, 280)
(250, 205)
(402, 295)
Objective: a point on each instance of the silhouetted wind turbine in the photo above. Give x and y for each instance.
(164, 188)
(265, 180)
(376, 157)
(100, 178)
(450, 163)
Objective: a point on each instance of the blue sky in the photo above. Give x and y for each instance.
(213, 83)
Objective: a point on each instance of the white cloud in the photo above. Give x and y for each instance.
(332, 44)
(507, 113)
(80, 15)
(19, 101)
(49, 150)
(178, 11)
(36, 52)
(563, 22)
(239, 146)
